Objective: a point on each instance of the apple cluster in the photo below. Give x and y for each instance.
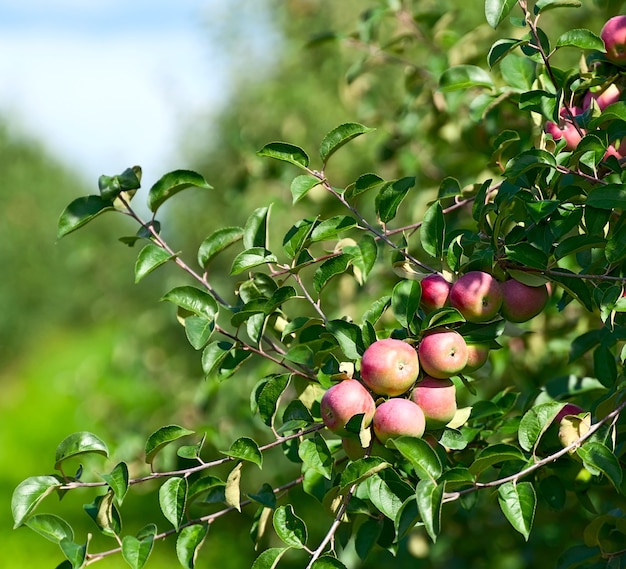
(568, 128)
(411, 379)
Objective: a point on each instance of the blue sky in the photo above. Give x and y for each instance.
(106, 84)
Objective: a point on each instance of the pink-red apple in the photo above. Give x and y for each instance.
(343, 401)
(602, 98)
(613, 35)
(568, 409)
(442, 353)
(398, 417)
(437, 399)
(477, 296)
(389, 367)
(566, 128)
(477, 356)
(521, 302)
(435, 291)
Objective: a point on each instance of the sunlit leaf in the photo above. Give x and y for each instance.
(518, 502)
(497, 10)
(219, 240)
(80, 212)
(189, 542)
(289, 527)
(162, 437)
(339, 136)
(285, 152)
(79, 443)
(150, 257)
(171, 184)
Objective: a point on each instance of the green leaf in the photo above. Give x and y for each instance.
(349, 337)
(301, 185)
(518, 503)
(285, 152)
(79, 443)
(28, 494)
(269, 558)
(390, 196)
(332, 227)
(421, 455)
(162, 437)
(361, 469)
(544, 5)
(604, 365)
(232, 490)
(173, 500)
(610, 196)
(339, 136)
(105, 514)
(202, 485)
(172, 183)
(535, 423)
(527, 255)
(289, 527)
(52, 527)
(599, 457)
(265, 496)
(112, 186)
(75, 553)
(136, 550)
(150, 257)
(464, 77)
(193, 300)
(577, 243)
(433, 231)
(429, 499)
(214, 355)
(405, 300)
(198, 330)
(519, 72)
(387, 492)
(582, 39)
(255, 228)
(80, 212)
(495, 454)
(501, 48)
(364, 183)
(250, 258)
(267, 396)
(217, 242)
(367, 536)
(315, 455)
(189, 542)
(297, 236)
(363, 257)
(497, 10)
(245, 449)
(327, 561)
(330, 268)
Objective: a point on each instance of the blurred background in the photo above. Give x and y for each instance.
(91, 88)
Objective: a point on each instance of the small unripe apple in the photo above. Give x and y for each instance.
(442, 353)
(521, 302)
(613, 35)
(398, 417)
(435, 291)
(477, 356)
(477, 296)
(437, 399)
(389, 367)
(343, 401)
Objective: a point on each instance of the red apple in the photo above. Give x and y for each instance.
(343, 401)
(613, 35)
(477, 296)
(477, 356)
(398, 417)
(389, 367)
(568, 409)
(565, 130)
(602, 98)
(521, 302)
(435, 291)
(442, 353)
(437, 399)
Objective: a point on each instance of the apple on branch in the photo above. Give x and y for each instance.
(343, 401)
(398, 417)
(613, 35)
(389, 367)
(477, 296)
(442, 353)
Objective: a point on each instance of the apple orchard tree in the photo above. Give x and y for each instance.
(382, 415)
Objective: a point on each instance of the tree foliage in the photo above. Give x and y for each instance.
(291, 295)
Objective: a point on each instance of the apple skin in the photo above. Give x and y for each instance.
(477, 356)
(613, 35)
(603, 98)
(568, 409)
(565, 130)
(398, 417)
(477, 296)
(435, 292)
(342, 401)
(521, 302)
(437, 399)
(442, 353)
(389, 367)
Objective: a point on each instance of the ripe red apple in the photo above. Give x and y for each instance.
(437, 399)
(442, 353)
(568, 409)
(398, 417)
(602, 98)
(435, 291)
(343, 401)
(389, 367)
(613, 35)
(564, 130)
(477, 296)
(521, 302)
(477, 356)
